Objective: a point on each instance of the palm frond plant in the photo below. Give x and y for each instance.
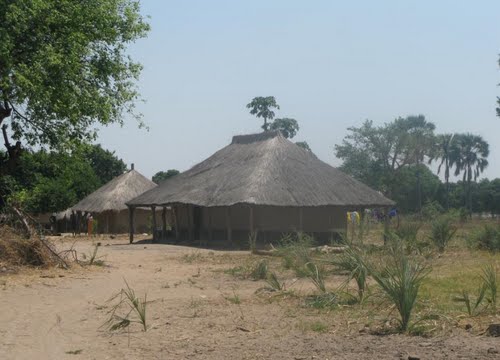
(351, 260)
(442, 231)
(490, 280)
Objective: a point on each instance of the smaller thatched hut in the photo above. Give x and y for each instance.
(107, 204)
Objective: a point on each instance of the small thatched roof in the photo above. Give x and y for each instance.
(262, 169)
(113, 195)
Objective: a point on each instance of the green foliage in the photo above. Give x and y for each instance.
(472, 306)
(288, 127)
(126, 297)
(161, 176)
(296, 253)
(326, 300)
(487, 238)
(274, 282)
(260, 270)
(304, 145)
(262, 108)
(316, 273)
(442, 231)
(400, 279)
(352, 260)
(490, 281)
(64, 66)
(105, 163)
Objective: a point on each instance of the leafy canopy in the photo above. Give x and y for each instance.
(262, 108)
(288, 127)
(63, 66)
(161, 176)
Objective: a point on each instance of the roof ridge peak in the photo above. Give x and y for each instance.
(250, 138)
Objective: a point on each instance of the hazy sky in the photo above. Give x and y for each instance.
(330, 65)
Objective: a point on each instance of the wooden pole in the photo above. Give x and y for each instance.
(228, 226)
(251, 221)
(164, 222)
(174, 214)
(301, 220)
(131, 223)
(190, 222)
(153, 209)
(209, 223)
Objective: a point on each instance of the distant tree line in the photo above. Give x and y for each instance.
(50, 181)
(393, 159)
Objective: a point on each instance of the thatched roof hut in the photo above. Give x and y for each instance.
(107, 204)
(267, 174)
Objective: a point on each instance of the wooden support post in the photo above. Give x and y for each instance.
(153, 210)
(131, 223)
(209, 223)
(164, 223)
(189, 209)
(228, 226)
(301, 220)
(107, 222)
(174, 214)
(251, 222)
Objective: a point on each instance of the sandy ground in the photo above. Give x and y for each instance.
(58, 314)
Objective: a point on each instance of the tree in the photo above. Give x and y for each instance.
(304, 145)
(420, 139)
(470, 154)
(287, 126)
(442, 150)
(161, 176)
(261, 107)
(105, 163)
(63, 68)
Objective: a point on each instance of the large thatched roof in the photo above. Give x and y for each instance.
(113, 195)
(263, 169)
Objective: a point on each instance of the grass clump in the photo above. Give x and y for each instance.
(317, 275)
(274, 283)
(487, 238)
(93, 259)
(442, 231)
(400, 280)
(136, 306)
(325, 300)
(490, 281)
(351, 260)
(260, 270)
(486, 291)
(471, 306)
(296, 253)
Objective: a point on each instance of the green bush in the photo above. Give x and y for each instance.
(442, 231)
(487, 238)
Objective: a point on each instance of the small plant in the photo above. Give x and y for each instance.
(352, 261)
(318, 326)
(325, 300)
(252, 242)
(93, 259)
(136, 306)
(296, 253)
(408, 231)
(471, 306)
(235, 299)
(442, 231)
(274, 282)
(487, 238)
(317, 275)
(490, 281)
(260, 270)
(401, 280)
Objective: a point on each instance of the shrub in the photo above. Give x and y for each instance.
(317, 275)
(259, 271)
(274, 282)
(296, 253)
(351, 260)
(400, 280)
(442, 231)
(487, 238)
(431, 210)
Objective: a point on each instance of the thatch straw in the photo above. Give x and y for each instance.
(263, 169)
(114, 195)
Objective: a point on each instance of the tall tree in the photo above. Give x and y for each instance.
(442, 152)
(161, 176)
(262, 108)
(470, 154)
(64, 67)
(105, 163)
(287, 126)
(419, 141)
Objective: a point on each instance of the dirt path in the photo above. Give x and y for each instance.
(196, 312)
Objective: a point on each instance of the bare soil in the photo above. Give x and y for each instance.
(195, 310)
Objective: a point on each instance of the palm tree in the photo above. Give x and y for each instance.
(469, 153)
(442, 150)
(420, 137)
